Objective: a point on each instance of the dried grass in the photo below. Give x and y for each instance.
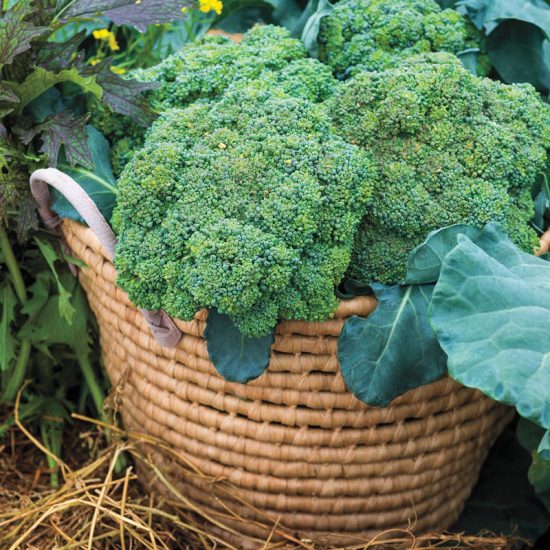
(102, 506)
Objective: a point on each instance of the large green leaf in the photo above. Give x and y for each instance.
(425, 261)
(489, 13)
(394, 349)
(99, 183)
(236, 357)
(491, 313)
(517, 41)
(520, 52)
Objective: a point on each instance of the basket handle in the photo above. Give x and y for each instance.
(161, 324)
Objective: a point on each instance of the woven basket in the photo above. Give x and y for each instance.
(298, 449)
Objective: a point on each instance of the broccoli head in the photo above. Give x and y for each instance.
(204, 70)
(248, 205)
(376, 34)
(451, 148)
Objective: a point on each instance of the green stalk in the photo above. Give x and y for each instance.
(13, 266)
(98, 397)
(18, 374)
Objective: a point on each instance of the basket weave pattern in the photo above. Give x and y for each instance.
(294, 443)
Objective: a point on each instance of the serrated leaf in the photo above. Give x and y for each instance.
(123, 96)
(41, 80)
(57, 56)
(65, 308)
(129, 12)
(425, 261)
(98, 182)
(236, 357)
(67, 131)
(8, 301)
(491, 312)
(394, 349)
(16, 34)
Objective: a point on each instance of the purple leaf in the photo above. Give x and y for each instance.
(136, 13)
(63, 129)
(15, 33)
(56, 56)
(123, 96)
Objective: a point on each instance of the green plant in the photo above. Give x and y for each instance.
(247, 205)
(46, 78)
(451, 148)
(377, 34)
(204, 69)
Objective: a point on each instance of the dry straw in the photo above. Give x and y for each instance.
(95, 508)
(295, 455)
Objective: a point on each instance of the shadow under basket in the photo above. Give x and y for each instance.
(293, 448)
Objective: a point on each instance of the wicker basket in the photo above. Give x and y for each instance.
(295, 445)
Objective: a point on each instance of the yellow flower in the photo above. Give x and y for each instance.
(117, 70)
(106, 34)
(94, 61)
(211, 5)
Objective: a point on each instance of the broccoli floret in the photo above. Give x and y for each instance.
(206, 69)
(248, 205)
(376, 34)
(451, 148)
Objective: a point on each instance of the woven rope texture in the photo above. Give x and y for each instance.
(294, 444)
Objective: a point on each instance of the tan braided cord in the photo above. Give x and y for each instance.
(297, 449)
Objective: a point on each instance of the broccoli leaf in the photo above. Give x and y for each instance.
(491, 312)
(425, 261)
(394, 349)
(99, 182)
(489, 14)
(63, 129)
(318, 9)
(237, 358)
(517, 41)
(128, 12)
(544, 446)
(15, 33)
(520, 52)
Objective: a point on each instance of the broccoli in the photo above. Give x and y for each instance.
(248, 205)
(451, 148)
(376, 34)
(205, 69)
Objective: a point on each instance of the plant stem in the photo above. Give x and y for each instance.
(93, 387)
(13, 266)
(18, 374)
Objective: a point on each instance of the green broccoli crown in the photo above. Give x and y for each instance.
(376, 34)
(451, 148)
(205, 70)
(248, 205)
